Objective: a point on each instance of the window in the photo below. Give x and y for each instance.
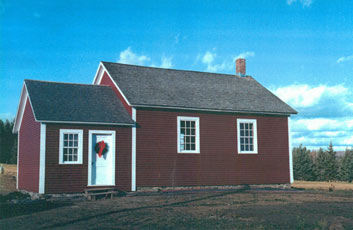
(247, 136)
(70, 146)
(188, 135)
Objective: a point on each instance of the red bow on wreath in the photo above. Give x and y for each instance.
(101, 146)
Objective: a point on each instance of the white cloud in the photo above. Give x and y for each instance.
(166, 63)
(8, 116)
(345, 58)
(176, 38)
(228, 64)
(305, 3)
(325, 114)
(129, 57)
(245, 55)
(302, 96)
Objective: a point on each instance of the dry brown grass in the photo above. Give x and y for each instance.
(8, 179)
(10, 169)
(336, 185)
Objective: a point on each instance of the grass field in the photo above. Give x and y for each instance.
(236, 209)
(335, 185)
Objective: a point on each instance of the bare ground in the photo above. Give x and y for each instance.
(263, 209)
(234, 209)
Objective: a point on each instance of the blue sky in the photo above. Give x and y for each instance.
(302, 50)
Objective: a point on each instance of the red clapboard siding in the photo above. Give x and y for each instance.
(106, 80)
(159, 164)
(29, 151)
(74, 178)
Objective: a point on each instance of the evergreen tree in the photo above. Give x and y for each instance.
(320, 165)
(332, 164)
(346, 169)
(327, 165)
(8, 142)
(303, 165)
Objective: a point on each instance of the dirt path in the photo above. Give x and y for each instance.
(203, 210)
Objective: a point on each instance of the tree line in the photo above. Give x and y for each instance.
(8, 143)
(322, 165)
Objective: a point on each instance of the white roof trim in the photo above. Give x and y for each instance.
(209, 110)
(84, 122)
(21, 109)
(98, 78)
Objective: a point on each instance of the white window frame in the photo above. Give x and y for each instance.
(252, 121)
(80, 145)
(197, 134)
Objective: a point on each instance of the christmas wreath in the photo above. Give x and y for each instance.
(101, 148)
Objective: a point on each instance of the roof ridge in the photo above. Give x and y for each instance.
(181, 70)
(67, 83)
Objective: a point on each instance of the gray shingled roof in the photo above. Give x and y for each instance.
(146, 86)
(64, 102)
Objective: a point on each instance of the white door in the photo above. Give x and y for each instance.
(102, 166)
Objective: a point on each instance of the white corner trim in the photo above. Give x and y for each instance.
(197, 134)
(133, 153)
(253, 121)
(90, 144)
(42, 158)
(18, 156)
(98, 78)
(290, 152)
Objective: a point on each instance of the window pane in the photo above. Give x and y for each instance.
(193, 124)
(251, 133)
(246, 147)
(193, 147)
(246, 125)
(250, 126)
(182, 147)
(70, 136)
(75, 158)
(65, 157)
(65, 151)
(65, 143)
(75, 143)
(70, 151)
(242, 148)
(188, 124)
(188, 146)
(241, 126)
(192, 139)
(192, 131)
(76, 137)
(246, 133)
(74, 152)
(182, 131)
(182, 124)
(70, 143)
(242, 140)
(241, 133)
(187, 140)
(251, 140)
(251, 148)
(66, 136)
(70, 157)
(188, 131)
(246, 140)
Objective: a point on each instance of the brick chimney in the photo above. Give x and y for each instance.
(240, 67)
